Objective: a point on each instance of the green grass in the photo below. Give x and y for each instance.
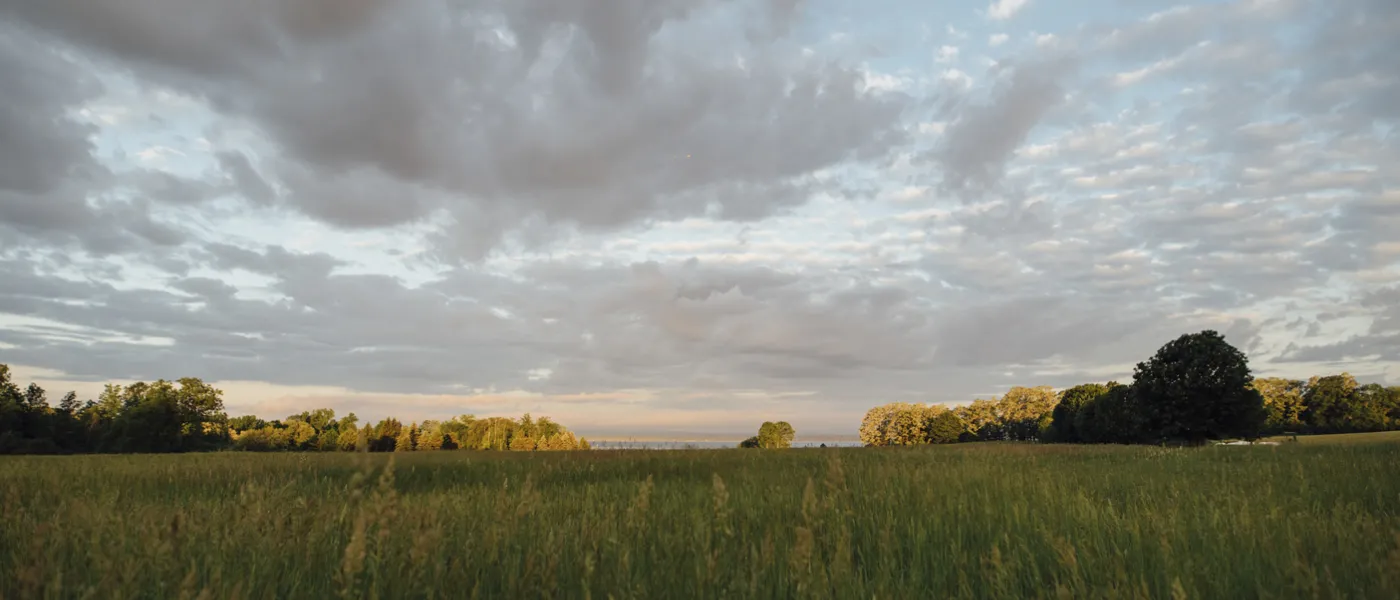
(967, 521)
(1343, 438)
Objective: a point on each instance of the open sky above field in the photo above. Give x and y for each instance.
(662, 215)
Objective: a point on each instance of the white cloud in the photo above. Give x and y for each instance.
(884, 82)
(933, 127)
(1001, 10)
(957, 78)
(946, 54)
(997, 39)
(907, 193)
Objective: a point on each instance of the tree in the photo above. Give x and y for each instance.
(430, 436)
(906, 425)
(752, 442)
(349, 438)
(246, 422)
(407, 440)
(775, 435)
(69, 404)
(783, 434)
(1283, 403)
(1370, 408)
(202, 417)
(1116, 417)
(872, 427)
(321, 418)
(150, 421)
(522, 443)
(35, 398)
(13, 415)
(982, 421)
(300, 435)
(456, 429)
(946, 428)
(1327, 403)
(1021, 411)
(1197, 388)
(493, 433)
(1066, 412)
(385, 435)
(111, 401)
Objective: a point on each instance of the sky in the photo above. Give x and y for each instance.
(663, 217)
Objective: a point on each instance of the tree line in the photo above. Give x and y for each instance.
(319, 430)
(164, 416)
(1195, 388)
(187, 415)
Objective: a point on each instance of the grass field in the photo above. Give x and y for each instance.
(1343, 438)
(966, 521)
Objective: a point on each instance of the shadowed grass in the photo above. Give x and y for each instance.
(969, 521)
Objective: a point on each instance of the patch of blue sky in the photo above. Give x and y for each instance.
(141, 127)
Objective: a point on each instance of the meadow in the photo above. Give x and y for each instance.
(964, 521)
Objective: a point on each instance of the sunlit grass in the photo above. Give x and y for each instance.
(968, 521)
(1342, 438)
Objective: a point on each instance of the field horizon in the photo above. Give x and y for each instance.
(978, 520)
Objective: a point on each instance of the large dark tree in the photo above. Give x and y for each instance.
(1062, 419)
(1197, 388)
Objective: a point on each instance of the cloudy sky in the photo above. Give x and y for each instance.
(653, 216)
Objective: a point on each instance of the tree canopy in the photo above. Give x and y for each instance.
(1198, 387)
(776, 434)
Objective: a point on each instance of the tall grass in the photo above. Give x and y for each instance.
(970, 521)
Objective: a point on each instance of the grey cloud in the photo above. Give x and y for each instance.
(41, 147)
(361, 198)
(595, 115)
(210, 38)
(52, 189)
(985, 135)
(1378, 347)
(65, 218)
(1096, 224)
(204, 287)
(274, 260)
(57, 210)
(754, 326)
(165, 188)
(1350, 64)
(1177, 27)
(1022, 330)
(245, 178)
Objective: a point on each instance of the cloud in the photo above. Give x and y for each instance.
(446, 108)
(43, 145)
(671, 215)
(986, 133)
(1379, 342)
(1001, 10)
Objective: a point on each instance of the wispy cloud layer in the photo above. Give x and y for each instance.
(653, 215)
